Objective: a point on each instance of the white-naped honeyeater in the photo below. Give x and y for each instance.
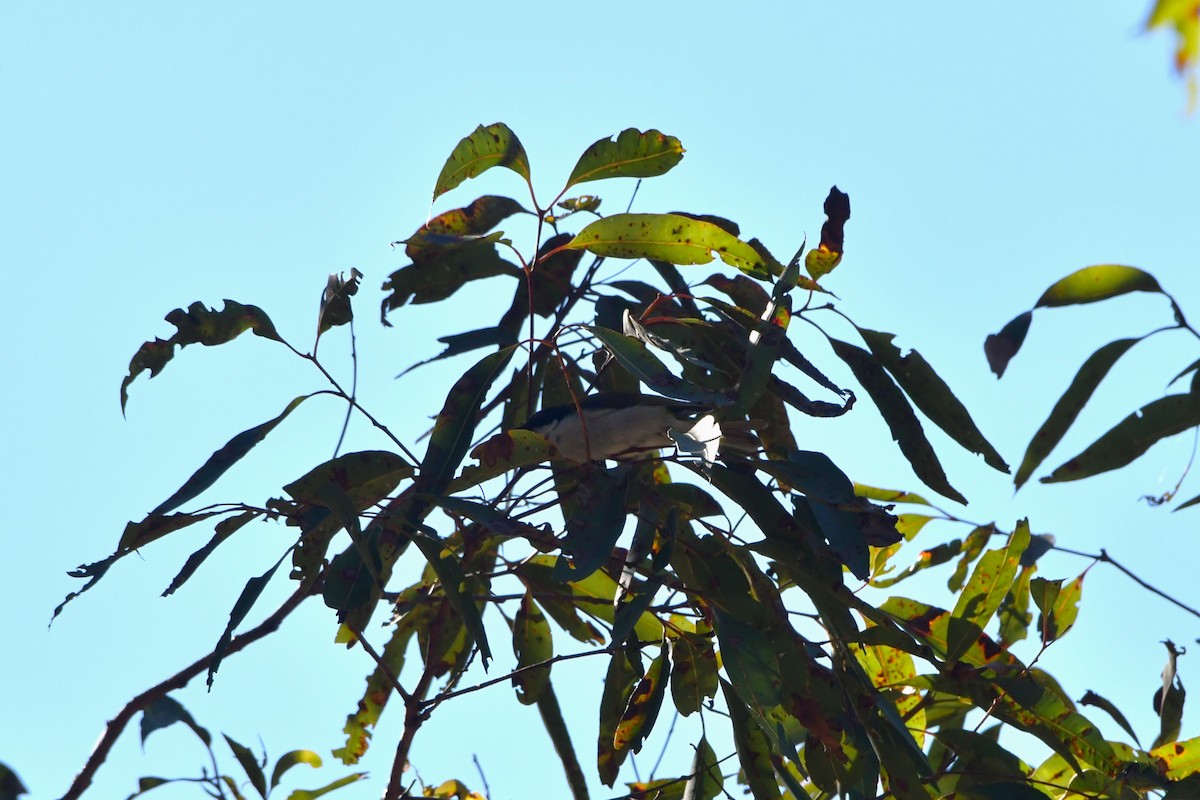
(622, 425)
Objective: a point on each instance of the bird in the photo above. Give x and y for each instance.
(623, 425)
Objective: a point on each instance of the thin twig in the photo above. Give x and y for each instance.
(353, 388)
(441, 698)
(116, 725)
(1105, 557)
(487, 790)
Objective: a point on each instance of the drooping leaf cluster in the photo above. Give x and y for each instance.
(754, 625)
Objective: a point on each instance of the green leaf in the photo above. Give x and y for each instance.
(889, 668)
(1092, 284)
(450, 574)
(706, 782)
(289, 760)
(478, 217)
(593, 595)
(455, 424)
(1090, 698)
(751, 662)
(931, 395)
(632, 154)
(989, 584)
(531, 645)
(437, 273)
(673, 238)
(643, 364)
(753, 748)
(888, 495)
(1059, 605)
(556, 728)
(618, 682)
(979, 753)
(220, 462)
(1001, 347)
(693, 670)
(973, 546)
(595, 523)
(224, 529)
(641, 711)
(1069, 405)
(1180, 759)
(197, 325)
(366, 477)
(250, 764)
(250, 594)
(493, 146)
(166, 711)
(313, 794)
(1014, 613)
(506, 451)
(898, 414)
(1008, 790)
(1132, 437)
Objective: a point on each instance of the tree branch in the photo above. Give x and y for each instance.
(115, 726)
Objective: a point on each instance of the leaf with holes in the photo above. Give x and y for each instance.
(673, 238)
(198, 325)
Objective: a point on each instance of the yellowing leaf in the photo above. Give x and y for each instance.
(673, 238)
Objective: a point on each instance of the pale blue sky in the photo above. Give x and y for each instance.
(157, 154)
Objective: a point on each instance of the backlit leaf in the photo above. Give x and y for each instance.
(632, 154)
(693, 670)
(595, 523)
(492, 146)
(291, 759)
(1058, 603)
(532, 645)
(251, 766)
(706, 781)
(753, 748)
(668, 237)
(643, 706)
(618, 681)
(989, 584)
(1180, 758)
(1101, 282)
(1014, 613)
(1132, 437)
(1069, 405)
